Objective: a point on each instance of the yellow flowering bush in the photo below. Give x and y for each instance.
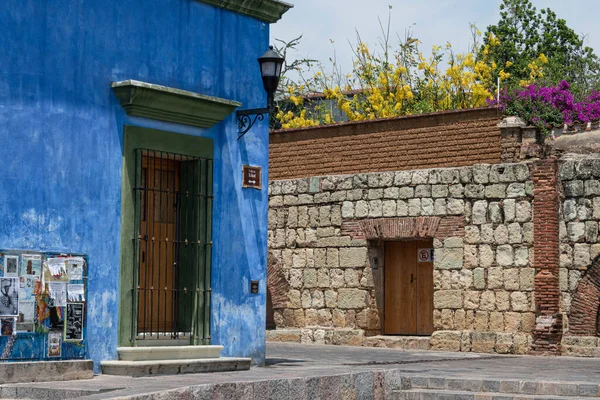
(398, 81)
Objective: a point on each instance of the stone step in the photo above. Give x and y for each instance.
(174, 367)
(43, 371)
(156, 353)
(504, 386)
(21, 391)
(433, 394)
(398, 342)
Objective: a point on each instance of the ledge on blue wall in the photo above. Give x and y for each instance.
(163, 103)
(269, 11)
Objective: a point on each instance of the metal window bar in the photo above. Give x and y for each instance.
(172, 247)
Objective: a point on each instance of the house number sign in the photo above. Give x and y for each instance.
(252, 177)
(425, 255)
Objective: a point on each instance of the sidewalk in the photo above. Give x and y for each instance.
(291, 369)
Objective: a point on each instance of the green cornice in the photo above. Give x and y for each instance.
(270, 11)
(163, 103)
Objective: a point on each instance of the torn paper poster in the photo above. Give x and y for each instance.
(74, 325)
(11, 266)
(75, 292)
(27, 287)
(9, 296)
(8, 326)
(75, 268)
(54, 343)
(31, 264)
(58, 293)
(55, 270)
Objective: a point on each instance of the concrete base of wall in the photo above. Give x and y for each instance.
(45, 371)
(580, 346)
(174, 367)
(398, 342)
(463, 341)
(460, 341)
(348, 337)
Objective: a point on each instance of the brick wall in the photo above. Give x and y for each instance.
(447, 139)
(548, 332)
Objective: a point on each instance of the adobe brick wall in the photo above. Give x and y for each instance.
(447, 139)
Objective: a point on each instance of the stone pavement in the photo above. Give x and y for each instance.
(296, 371)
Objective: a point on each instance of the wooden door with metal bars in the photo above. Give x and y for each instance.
(173, 247)
(159, 213)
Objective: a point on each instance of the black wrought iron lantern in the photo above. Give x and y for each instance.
(270, 70)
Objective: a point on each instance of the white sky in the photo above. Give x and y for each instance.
(435, 22)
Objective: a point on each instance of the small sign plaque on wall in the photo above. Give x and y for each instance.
(425, 255)
(251, 177)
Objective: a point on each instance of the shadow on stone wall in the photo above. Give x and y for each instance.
(585, 308)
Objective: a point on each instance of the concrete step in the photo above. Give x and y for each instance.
(438, 394)
(156, 353)
(174, 367)
(44, 371)
(504, 386)
(21, 391)
(433, 394)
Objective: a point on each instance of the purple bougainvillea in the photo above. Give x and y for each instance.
(546, 107)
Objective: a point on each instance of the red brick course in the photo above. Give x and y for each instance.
(546, 337)
(404, 228)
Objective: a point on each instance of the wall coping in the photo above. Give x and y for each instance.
(315, 181)
(381, 125)
(142, 99)
(269, 11)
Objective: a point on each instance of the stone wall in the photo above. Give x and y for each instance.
(579, 276)
(326, 235)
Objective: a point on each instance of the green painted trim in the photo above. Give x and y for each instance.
(152, 139)
(269, 11)
(143, 99)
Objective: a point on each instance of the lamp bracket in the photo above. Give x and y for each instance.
(247, 118)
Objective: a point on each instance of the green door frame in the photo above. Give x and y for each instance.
(135, 137)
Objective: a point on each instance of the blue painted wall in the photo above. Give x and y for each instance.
(61, 142)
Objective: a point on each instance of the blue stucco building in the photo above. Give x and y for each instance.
(119, 143)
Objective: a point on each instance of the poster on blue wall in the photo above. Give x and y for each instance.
(42, 305)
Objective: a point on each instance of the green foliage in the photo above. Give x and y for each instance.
(526, 33)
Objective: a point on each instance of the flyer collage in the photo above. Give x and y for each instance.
(43, 294)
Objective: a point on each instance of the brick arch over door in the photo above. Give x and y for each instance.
(404, 228)
(585, 308)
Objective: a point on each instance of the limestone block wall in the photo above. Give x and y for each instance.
(579, 277)
(326, 235)
(579, 223)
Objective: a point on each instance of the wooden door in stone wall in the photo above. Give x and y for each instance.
(408, 289)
